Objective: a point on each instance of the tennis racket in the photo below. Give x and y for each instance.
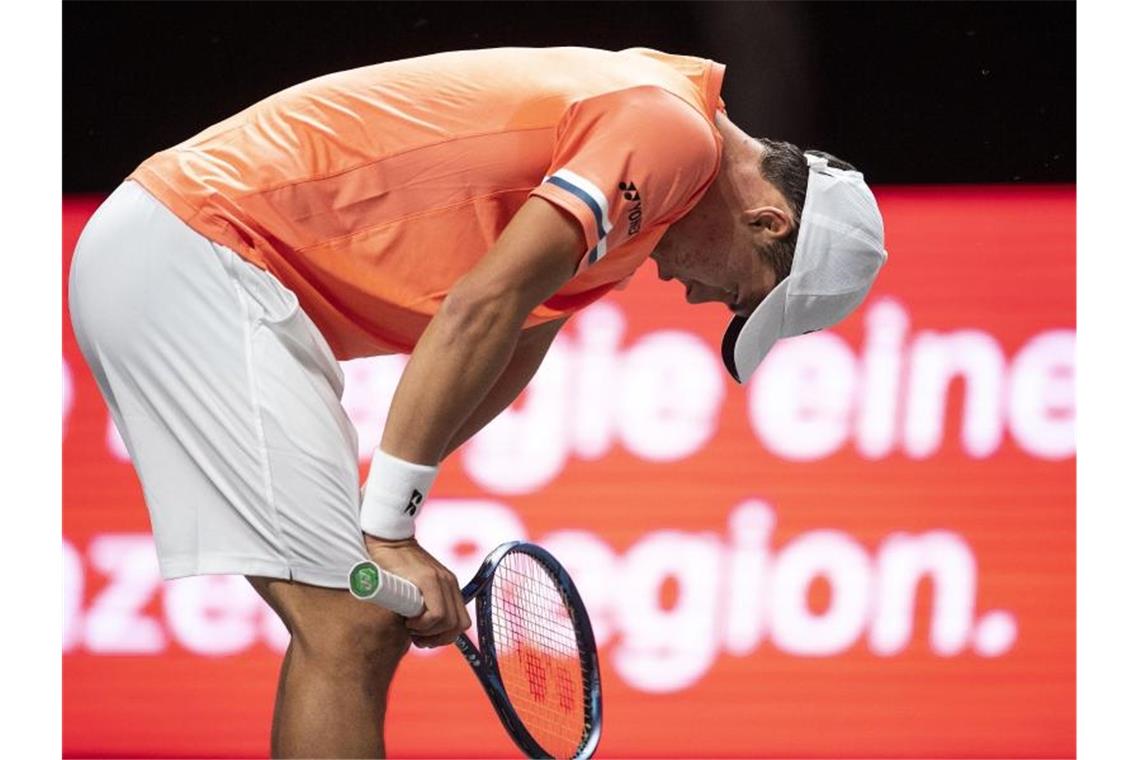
(536, 657)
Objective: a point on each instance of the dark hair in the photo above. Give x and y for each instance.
(786, 168)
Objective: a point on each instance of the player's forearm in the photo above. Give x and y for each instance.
(525, 361)
(456, 363)
(470, 341)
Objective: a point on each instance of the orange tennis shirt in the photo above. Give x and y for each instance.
(370, 192)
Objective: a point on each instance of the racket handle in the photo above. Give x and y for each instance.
(368, 582)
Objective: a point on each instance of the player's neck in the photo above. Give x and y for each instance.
(738, 147)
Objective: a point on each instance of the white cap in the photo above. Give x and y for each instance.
(839, 252)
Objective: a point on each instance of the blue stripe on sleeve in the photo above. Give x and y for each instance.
(585, 197)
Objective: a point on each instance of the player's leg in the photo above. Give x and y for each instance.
(334, 680)
(228, 398)
(333, 685)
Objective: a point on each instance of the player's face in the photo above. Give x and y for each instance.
(740, 294)
(717, 250)
(716, 263)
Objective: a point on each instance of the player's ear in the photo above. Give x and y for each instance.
(770, 222)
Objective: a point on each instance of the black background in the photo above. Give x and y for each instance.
(932, 92)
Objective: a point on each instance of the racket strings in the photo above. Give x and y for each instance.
(538, 655)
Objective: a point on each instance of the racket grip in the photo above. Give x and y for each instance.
(368, 582)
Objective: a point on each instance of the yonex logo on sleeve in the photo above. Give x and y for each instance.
(630, 193)
(595, 200)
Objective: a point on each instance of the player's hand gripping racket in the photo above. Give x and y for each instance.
(536, 657)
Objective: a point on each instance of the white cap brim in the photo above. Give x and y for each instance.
(749, 339)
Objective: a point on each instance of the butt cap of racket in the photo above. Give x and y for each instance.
(368, 582)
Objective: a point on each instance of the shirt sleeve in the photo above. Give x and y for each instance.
(627, 161)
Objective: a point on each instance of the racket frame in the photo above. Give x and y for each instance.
(393, 592)
(484, 660)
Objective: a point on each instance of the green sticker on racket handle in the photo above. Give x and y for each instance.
(369, 583)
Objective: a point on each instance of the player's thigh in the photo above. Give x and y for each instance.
(310, 445)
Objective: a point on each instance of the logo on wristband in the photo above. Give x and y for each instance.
(414, 503)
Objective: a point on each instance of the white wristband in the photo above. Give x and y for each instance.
(393, 494)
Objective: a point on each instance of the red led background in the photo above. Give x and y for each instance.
(868, 550)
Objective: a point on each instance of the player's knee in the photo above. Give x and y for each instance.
(358, 638)
(333, 630)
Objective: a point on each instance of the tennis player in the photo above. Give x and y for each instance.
(458, 207)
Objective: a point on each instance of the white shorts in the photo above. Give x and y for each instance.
(226, 395)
